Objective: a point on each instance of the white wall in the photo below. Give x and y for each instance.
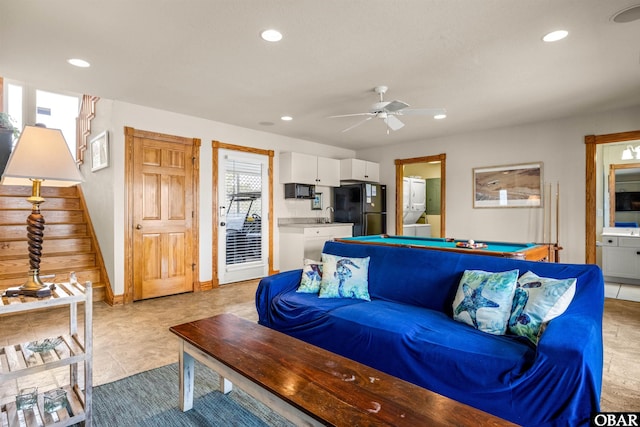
(97, 189)
(559, 144)
(105, 190)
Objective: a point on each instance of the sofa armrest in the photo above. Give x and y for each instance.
(570, 357)
(271, 286)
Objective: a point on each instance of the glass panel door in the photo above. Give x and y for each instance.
(243, 241)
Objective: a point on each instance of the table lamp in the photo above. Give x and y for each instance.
(41, 157)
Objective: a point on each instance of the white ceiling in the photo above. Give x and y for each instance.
(482, 60)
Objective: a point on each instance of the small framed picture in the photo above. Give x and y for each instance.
(100, 151)
(316, 202)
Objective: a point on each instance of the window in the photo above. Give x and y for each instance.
(58, 111)
(54, 110)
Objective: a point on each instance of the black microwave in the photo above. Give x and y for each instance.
(299, 191)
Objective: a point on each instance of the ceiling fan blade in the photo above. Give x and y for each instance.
(396, 105)
(393, 122)
(422, 111)
(351, 115)
(357, 124)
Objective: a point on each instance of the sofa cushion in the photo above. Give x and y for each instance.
(411, 342)
(538, 300)
(344, 277)
(484, 299)
(311, 277)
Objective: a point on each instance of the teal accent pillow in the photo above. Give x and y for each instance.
(483, 299)
(311, 277)
(344, 277)
(537, 301)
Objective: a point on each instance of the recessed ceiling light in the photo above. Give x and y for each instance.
(286, 118)
(629, 14)
(78, 62)
(440, 116)
(271, 35)
(554, 36)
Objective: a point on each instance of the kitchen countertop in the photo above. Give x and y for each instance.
(309, 222)
(310, 225)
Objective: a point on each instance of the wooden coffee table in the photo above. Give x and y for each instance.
(309, 385)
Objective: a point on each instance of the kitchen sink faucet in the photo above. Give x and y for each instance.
(328, 219)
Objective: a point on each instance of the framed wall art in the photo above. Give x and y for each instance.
(316, 202)
(510, 186)
(100, 151)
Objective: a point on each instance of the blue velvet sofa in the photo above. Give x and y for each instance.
(407, 330)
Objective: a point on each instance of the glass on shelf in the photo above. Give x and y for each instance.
(44, 345)
(55, 399)
(27, 398)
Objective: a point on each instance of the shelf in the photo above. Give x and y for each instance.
(63, 294)
(16, 360)
(36, 416)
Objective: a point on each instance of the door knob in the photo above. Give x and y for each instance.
(138, 227)
(222, 224)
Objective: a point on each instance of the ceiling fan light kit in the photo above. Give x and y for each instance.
(390, 110)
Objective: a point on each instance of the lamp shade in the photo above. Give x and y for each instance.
(42, 154)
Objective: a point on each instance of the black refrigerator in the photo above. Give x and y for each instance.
(365, 205)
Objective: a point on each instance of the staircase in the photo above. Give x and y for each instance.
(69, 240)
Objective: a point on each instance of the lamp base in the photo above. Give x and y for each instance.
(37, 293)
(33, 287)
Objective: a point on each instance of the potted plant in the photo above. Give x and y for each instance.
(8, 133)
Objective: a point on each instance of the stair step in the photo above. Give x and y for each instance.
(24, 191)
(92, 274)
(52, 203)
(69, 262)
(19, 217)
(19, 232)
(19, 248)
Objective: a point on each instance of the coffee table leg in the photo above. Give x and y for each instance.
(225, 385)
(186, 374)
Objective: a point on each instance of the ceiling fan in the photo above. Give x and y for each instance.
(389, 110)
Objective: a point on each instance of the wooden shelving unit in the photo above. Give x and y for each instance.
(17, 360)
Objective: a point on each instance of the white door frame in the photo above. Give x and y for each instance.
(267, 223)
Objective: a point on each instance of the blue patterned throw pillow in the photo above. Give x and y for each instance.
(344, 277)
(483, 300)
(311, 277)
(537, 301)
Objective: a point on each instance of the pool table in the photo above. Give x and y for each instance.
(528, 251)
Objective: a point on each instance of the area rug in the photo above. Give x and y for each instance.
(151, 399)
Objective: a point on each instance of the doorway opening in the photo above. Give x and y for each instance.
(421, 196)
(594, 173)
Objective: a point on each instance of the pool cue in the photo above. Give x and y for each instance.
(557, 246)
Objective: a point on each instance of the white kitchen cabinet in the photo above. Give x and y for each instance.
(621, 257)
(301, 241)
(303, 168)
(359, 170)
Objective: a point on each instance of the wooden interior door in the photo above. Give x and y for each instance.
(162, 219)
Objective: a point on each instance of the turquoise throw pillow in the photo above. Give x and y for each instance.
(483, 299)
(344, 277)
(311, 277)
(537, 301)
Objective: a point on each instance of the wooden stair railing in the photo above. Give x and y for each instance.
(83, 125)
(69, 241)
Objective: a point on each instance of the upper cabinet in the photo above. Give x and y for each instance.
(359, 170)
(302, 168)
